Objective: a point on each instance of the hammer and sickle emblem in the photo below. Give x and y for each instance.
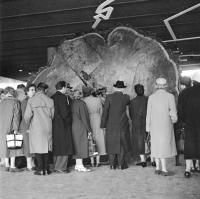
(100, 10)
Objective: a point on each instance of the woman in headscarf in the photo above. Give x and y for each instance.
(161, 115)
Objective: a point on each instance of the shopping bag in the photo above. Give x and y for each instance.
(92, 147)
(14, 141)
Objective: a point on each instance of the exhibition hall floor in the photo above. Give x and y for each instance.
(101, 183)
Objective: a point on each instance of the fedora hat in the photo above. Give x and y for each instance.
(119, 84)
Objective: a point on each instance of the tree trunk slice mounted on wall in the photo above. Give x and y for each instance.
(126, 55)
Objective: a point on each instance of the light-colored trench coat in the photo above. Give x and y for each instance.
(161, 114)
(39, 114)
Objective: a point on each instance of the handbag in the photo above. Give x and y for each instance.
(92, 147)
(14, 141)
(180, 142)
(147, 142)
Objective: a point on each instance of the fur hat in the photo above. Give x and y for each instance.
(161, 82)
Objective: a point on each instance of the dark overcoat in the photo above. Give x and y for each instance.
(138, 111)
(80, 128)
(62, 125)
(189, 114)
(115, 120)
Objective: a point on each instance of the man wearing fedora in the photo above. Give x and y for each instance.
(161, 114)
(115, 121)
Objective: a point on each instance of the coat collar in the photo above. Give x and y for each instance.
(118, 92)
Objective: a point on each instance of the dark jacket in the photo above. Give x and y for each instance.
(80, 128)
(115, 120)
(189, 114)
(62, 125)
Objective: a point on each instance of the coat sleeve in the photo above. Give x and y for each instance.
(180, 108)
(172, 109)
(28, 114)
(127, 107)
(16, 116)
(100, 107)
(105, 113)
(148, 117)
(52, 110)
(84, 115)
(131, 110)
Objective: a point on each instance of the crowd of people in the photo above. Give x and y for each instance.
(61, 124)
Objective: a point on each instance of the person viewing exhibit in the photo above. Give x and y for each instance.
(39, 115)
(161, 114)
(99, 99)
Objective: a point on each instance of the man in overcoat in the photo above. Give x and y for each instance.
(189, 113)
(62, 128)
(39, 114)
(115, 120)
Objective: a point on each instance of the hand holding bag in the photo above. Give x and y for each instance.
(92, 145)
(14, 140)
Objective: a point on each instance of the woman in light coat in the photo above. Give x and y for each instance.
(94, 106)
(161, 114)
(9, 122)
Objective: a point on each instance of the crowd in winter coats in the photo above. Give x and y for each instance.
(62, 123)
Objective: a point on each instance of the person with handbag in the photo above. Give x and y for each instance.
(62, 128)
(189, 113)
(115, 121)
(161, 115)
(94, 107)
(39, 115)
(80, 129)
(9, 124)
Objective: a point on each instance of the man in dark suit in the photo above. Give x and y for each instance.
(115, 120)
(62, 122)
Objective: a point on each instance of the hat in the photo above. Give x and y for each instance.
(196, 77)
(119, 84)
(87, 91)
(161, 82)
(68, 86)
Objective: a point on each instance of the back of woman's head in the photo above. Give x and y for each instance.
(77, 94)
(9, 90)
(139, 89)
(60, 85)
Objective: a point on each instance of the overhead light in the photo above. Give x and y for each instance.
(183, 60)
(29, 73)
(176, 51)
(20, 70)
